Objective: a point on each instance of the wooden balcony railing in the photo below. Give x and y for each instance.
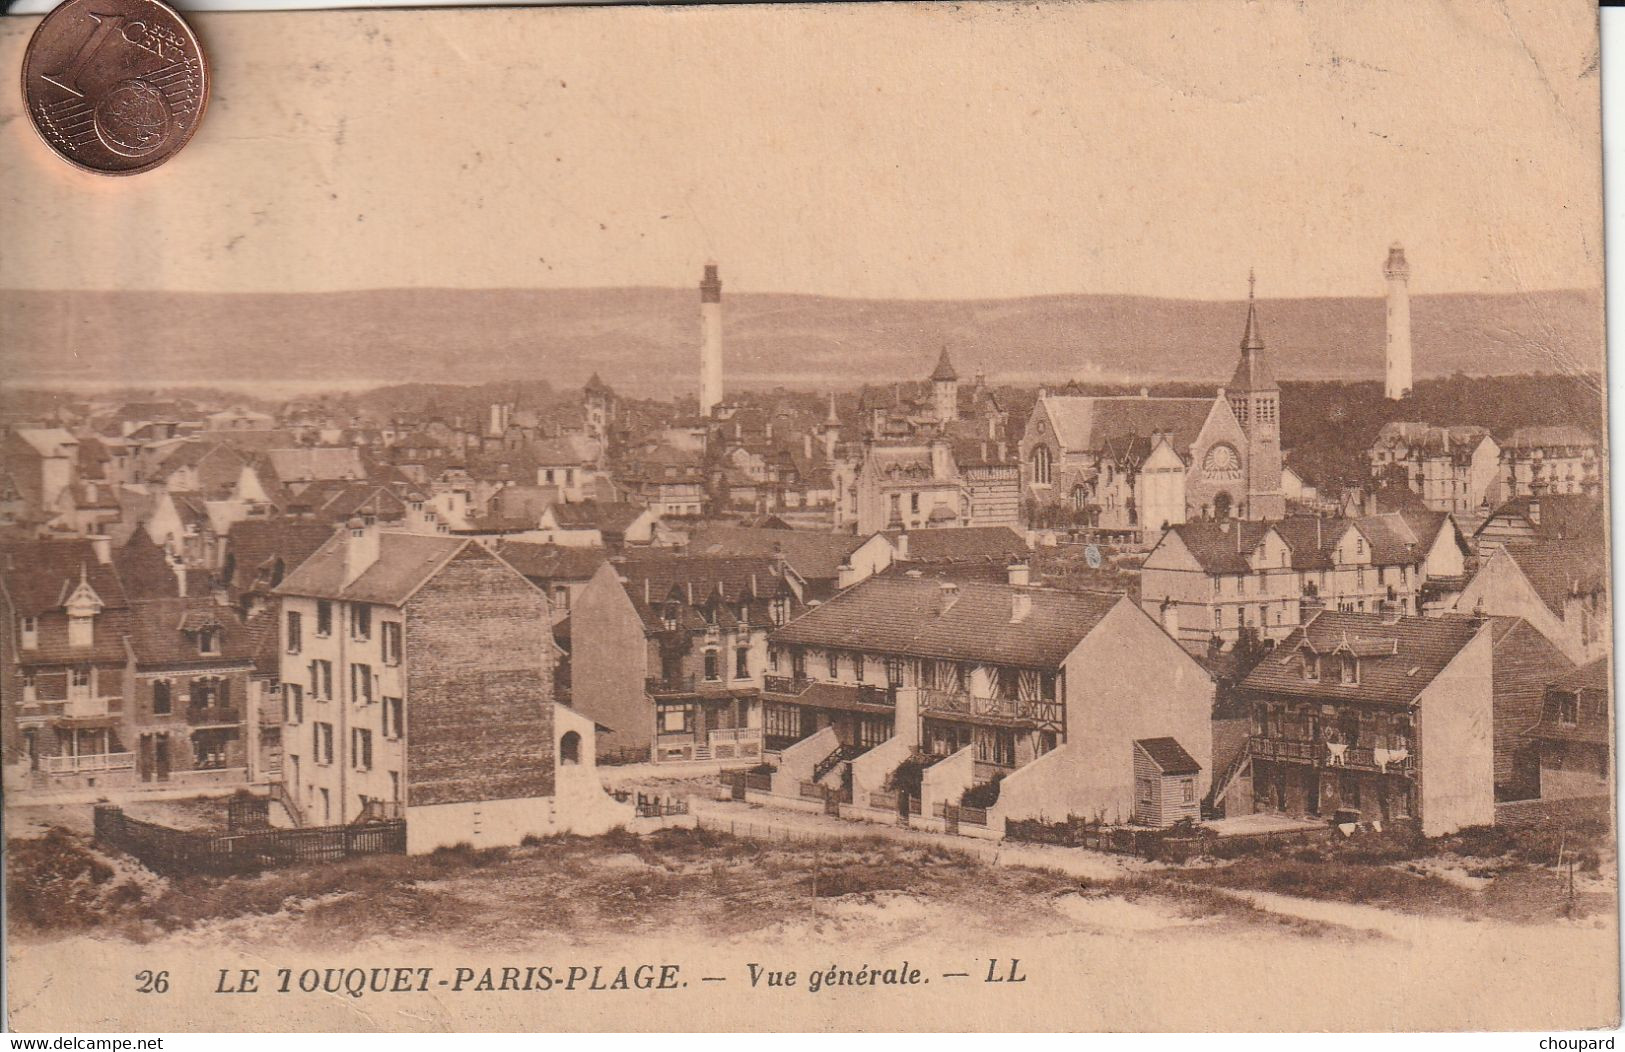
(956, 703)
(87, 762)
(213, 714)
(1332, 754)
(786, 684)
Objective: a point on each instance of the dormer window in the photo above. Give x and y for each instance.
(30, 633)
(81, 631)
(1311, 667)
(781, 611)
(208, 640)
(1351, 670)
(669, 617)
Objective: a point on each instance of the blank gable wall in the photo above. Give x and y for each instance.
(479, 685)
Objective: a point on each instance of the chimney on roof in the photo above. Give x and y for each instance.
(947, 596)
(1534, 510)
(361, 545)
(1021, 605)
(1389, 608)
(1308, 607)
(846, 575)
(939, 459)
(901, 544)
(1371, 501)
(102, 545)
(1145, 392)
(1018, 572)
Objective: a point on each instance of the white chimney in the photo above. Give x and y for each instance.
(1534, 510)
(846, 575)
(1021, 605)
(102, 545)
(361, 544)
(947, 596)
(1019, 572)
(901, 545)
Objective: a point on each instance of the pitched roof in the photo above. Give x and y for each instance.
(317, 462)
(609, 517)
(551, 562)
(1557, 571)
(1594, 675)
(405, 561)
(969, 621)
(144, 570)
(1563, 516)
(255, 545)
(1546, 436)
(945, 369)
(814, 555)
(1089, 421)
(40, 575)
(961, 544)
(1399, 658)
(1169, 756)
(163, 633)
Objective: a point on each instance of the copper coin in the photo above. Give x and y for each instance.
(115, 86)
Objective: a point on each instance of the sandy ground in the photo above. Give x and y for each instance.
(1089, 962)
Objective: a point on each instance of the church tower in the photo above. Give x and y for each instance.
(710, 341)
(1398, 272)
(945, 390)
(1256, 399)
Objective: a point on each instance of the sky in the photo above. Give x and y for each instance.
(888, 151)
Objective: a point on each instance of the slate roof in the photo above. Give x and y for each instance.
(1226, 547)
(162, 633)
(1563, 516)
(143, 570)
(40, 575)
(405, 561)
(317, 462)
(1417, 650)
(1554, 435)
(254, 545)
(961, 544)
(945, 369)
(551, 562)
(608, 517)
(1590, 685)
(1557, 571)
(815, 555)
(1169, 756)
(900, 615)
(1088, 422)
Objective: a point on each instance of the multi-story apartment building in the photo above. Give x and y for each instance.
(1369, 717)
(1555, 459)
(1036, 699)
(1453, 469)
(1207, 579)
(417, 678)
(669, 653)
(63, 623)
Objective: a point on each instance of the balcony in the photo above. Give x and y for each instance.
(214, 716)
(677, 686)
(956, 704)
(1331, 754)
(88, 763)
(786, 684)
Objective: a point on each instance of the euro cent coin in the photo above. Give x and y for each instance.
(115, 86)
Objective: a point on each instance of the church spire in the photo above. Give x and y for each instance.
(1250, 339)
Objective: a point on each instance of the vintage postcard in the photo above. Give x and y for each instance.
(919, 517)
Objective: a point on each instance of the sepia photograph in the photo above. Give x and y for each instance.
(903, 517)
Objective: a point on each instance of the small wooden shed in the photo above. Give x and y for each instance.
(1165, 783)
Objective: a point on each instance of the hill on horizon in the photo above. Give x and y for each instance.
(645, 340)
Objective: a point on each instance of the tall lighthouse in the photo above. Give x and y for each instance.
(1398, 378)
(710, 341)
